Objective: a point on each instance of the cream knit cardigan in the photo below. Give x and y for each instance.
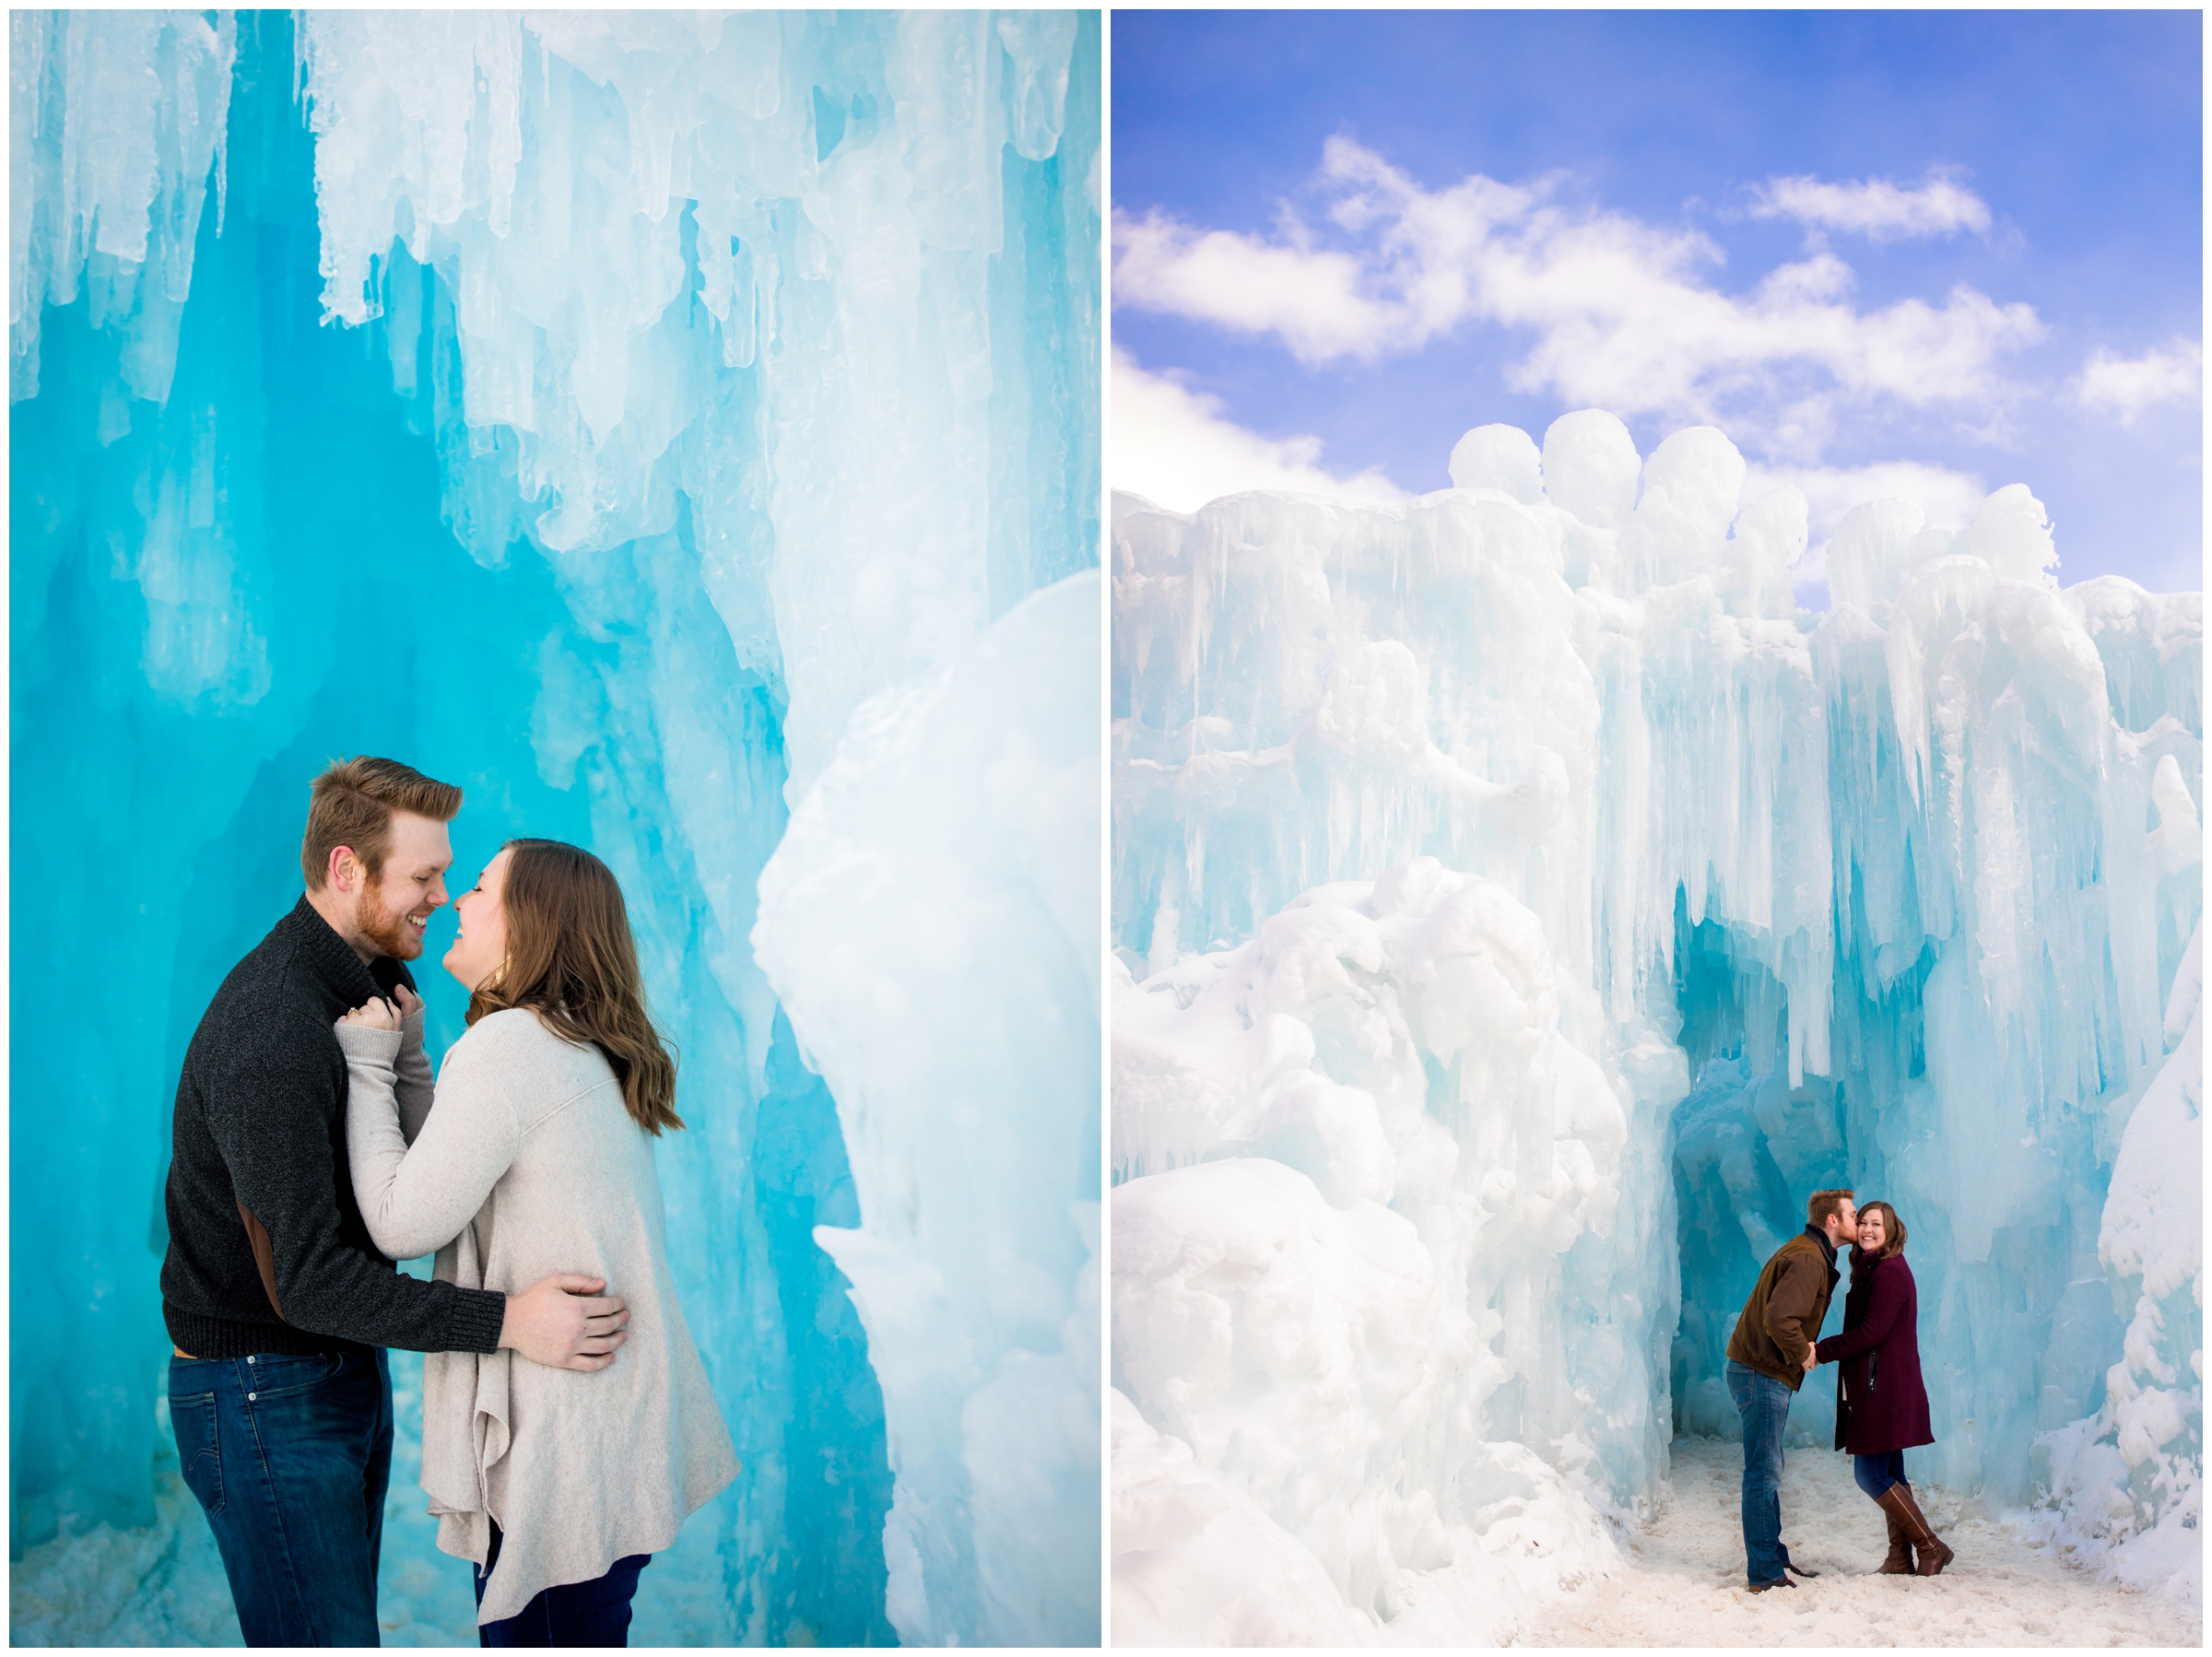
(529, 1164)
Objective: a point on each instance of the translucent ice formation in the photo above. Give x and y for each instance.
(689, 203)
(2128, 1481)
(1521, 907)
(931, 920)
(595, 409)
(116, 137)
(1381, 1260)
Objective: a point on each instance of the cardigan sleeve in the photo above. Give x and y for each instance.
(270, 1106)
(411, 1077)
(1891, 1288)
(417, 1198)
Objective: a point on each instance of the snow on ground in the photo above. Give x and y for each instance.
(164, 1584)
(1685, 1586)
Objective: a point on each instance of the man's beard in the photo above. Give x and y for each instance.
(385, 928)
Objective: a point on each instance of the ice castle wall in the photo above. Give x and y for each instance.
(1520, 908)
(958, 1030)
(725, 372)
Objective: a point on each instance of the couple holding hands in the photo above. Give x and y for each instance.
(1881, 1404)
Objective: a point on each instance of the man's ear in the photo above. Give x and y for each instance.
(345, 869)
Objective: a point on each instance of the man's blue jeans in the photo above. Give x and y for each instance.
(291, 1457)
(1762, 1403)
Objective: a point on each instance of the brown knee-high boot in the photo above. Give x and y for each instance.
(1932, 1555)
(1899, 1560)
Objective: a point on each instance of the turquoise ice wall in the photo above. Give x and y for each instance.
(249, 533)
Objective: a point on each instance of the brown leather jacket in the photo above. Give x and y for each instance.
(1782, 1320)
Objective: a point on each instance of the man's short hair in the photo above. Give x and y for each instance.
(352, 805)
(1823, 1204)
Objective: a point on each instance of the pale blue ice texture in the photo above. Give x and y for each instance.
(1899, 896)
(595, 410)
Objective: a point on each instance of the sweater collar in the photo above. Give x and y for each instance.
(1817, 1233)
(344, 974)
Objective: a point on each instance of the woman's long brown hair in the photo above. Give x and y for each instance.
(1893, 1235)
(571, 960)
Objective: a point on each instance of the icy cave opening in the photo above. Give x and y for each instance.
(1749, 1146)
(2019, 1317)
(1749, 1149)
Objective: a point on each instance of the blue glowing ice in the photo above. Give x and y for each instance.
(628, 417)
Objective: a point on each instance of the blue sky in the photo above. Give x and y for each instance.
(1886, 253)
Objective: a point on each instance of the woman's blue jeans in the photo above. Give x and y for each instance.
(1875, 1474)
(289, 1458)
(574, 1614)
(1762, 1403)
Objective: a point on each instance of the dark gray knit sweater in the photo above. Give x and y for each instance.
(260, 1131)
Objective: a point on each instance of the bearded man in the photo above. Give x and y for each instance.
(278, 1303)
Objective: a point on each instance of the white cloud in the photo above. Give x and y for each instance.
(1621, 312)
(1875, 208)
(2125, 386)
(1311, 297)
(1173, 446)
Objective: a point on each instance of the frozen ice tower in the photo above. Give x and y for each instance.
(681, 431)
(1520, 906)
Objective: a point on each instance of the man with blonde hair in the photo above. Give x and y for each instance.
(278, 1303)
(1768, 1357)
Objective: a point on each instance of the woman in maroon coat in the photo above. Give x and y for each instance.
(1881, 1407)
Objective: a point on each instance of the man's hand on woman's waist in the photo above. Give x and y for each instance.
(563, 1322)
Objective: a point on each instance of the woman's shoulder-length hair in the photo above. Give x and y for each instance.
(571, 960)
(1893, 1235)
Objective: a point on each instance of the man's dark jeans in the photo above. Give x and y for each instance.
(290, 1457)
(1762, 1403)
(574, 1614)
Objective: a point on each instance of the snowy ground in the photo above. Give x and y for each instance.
(164, 1585)
(1686, 1586)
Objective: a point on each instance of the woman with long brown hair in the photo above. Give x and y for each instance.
(559, 1485)
(1881, 1404)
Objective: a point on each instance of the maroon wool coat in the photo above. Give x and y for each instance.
(1881, 1403)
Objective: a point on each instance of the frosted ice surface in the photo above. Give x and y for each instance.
(1872, 546)
(1499, 457)
(1684, 505)
(1590, 467)
(622, 414)
(931, 921)
(1196, 1560)
(2128, 1482)
(1386, 1185)
(1520, 906)
(1768, 538)
(2011, 534)
(94, 201)
(858, 275)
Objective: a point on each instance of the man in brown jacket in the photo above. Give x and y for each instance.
(1768, 1357)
